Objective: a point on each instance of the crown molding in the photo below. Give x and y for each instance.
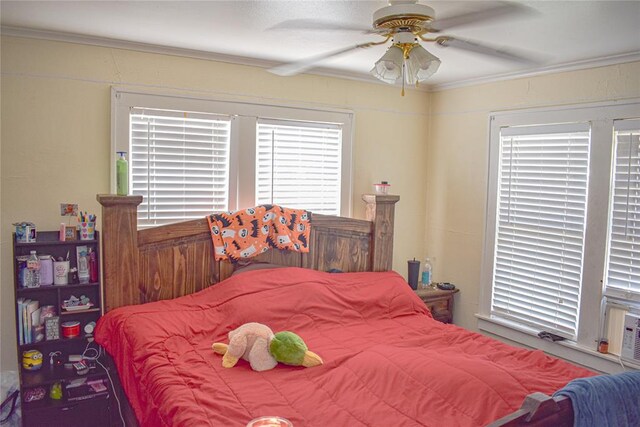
(325, 72)
(559, 68)
(182, 52)
(129, 45)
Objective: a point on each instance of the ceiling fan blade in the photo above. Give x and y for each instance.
(297, 67)
(314, 24)
(508, 54)
(499, 11)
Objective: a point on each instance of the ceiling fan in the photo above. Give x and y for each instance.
(406, 23)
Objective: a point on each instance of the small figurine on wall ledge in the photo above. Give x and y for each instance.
(258, 345)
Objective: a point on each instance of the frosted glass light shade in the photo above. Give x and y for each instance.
(389, 67)
(421, 65)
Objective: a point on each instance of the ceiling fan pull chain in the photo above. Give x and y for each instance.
(404, 73)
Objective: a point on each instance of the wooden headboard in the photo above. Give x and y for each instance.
(174, 260)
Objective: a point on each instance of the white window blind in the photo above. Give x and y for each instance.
(179, 164)
(298, 165)
(623, 260)
(542, 194)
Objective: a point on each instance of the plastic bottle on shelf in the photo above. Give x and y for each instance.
(426, 274)
(122, 174)
(93, 267)
(32, 274)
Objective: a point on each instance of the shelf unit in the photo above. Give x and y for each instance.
(63, 411)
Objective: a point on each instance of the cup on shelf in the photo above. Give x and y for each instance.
(382, 188)
(87, 230)
(61, 272)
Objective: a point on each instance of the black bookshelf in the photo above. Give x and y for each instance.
(92, 409)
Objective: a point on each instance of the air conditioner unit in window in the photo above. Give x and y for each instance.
(631, 338)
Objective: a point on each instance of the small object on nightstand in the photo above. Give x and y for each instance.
(445, 286)
(425, 282)
(414, 269)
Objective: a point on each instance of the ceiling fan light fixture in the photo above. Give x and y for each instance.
(389, 67)
(420, 65)
(409, 63)
(407, 23)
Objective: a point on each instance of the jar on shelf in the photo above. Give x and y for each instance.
(382, 188)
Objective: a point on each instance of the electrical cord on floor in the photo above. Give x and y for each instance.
(90, 350)
(93, 354)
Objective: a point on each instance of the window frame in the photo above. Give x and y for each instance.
(244, 116)
(601, 117)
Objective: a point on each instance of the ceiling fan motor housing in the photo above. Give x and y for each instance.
(403, 16)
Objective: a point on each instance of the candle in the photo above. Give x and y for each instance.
(270, 421)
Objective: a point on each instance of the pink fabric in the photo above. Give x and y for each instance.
(386, 361)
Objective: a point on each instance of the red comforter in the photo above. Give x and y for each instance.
(386, 361)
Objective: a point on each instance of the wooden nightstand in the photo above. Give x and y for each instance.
(439, 302)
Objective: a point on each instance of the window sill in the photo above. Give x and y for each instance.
(568, 350)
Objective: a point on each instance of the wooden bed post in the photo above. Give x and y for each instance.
(120, 249)
(381, 211)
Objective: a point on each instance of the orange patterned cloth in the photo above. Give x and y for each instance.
(250, 232)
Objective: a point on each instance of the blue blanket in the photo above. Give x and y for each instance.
(605, 401)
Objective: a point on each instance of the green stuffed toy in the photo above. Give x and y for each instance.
(258, 345)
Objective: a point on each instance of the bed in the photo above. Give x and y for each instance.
(387, 361)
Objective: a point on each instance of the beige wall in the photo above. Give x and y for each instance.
(458, 157)
(55, 143)
(55, 134)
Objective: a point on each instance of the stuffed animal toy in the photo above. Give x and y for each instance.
(258, 345)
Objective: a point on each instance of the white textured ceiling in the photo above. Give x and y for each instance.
(562, 32)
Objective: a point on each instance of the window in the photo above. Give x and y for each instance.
(623, 261)
(189, 157)
(298, 165)
(562, 242)
(540, 227)
(179, 164)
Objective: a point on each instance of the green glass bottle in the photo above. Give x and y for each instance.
(122, 174)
